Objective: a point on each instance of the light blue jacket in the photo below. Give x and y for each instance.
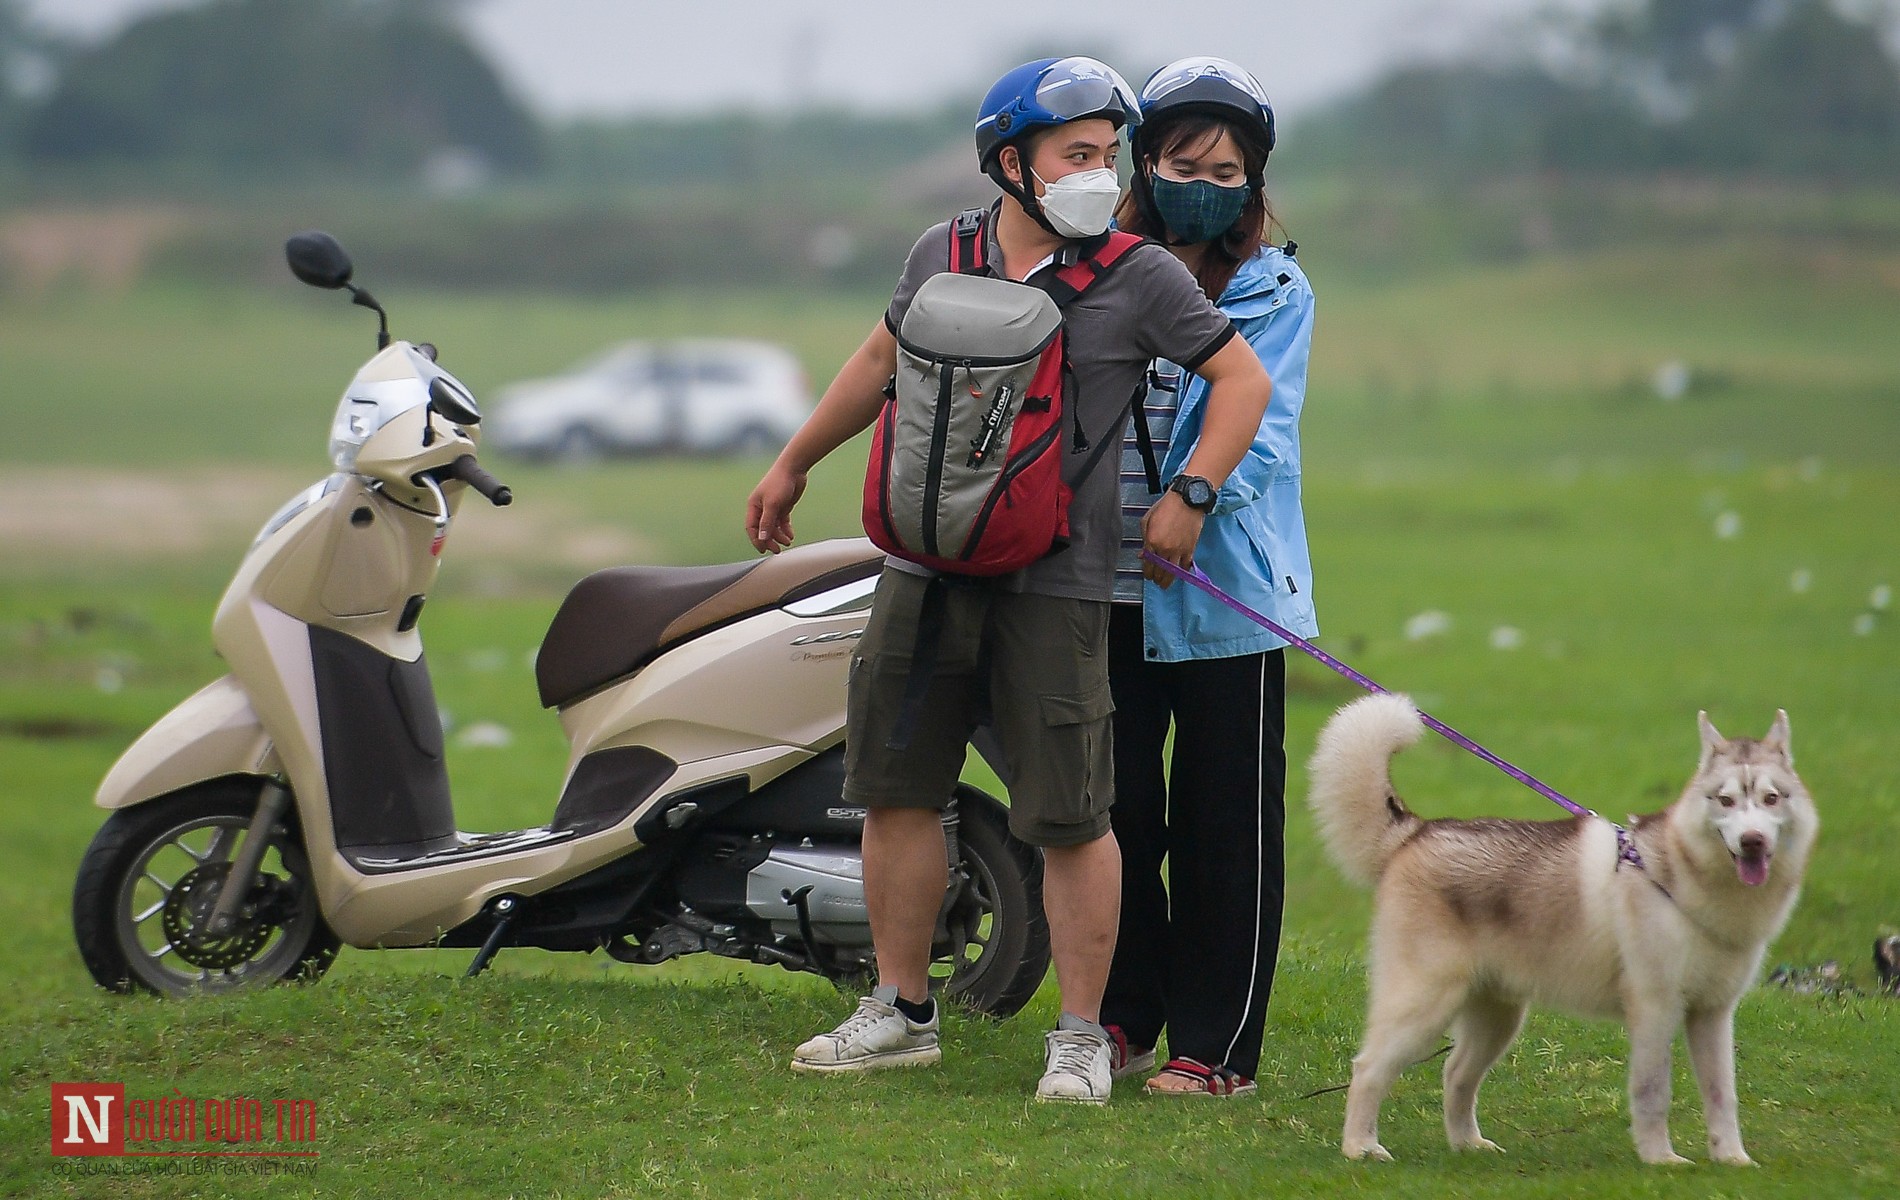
(1253, 545)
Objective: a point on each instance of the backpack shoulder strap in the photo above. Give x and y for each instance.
(1144, 441)
(1074, 279)
(968, 246)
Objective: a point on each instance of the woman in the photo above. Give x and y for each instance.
(1196, 957)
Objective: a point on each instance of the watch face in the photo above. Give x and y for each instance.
(1200, 493)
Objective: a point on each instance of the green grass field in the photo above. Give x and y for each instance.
(1481, 444)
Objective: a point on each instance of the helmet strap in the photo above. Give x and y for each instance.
(1025, 196)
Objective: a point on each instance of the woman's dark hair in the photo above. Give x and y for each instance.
(1196, 133)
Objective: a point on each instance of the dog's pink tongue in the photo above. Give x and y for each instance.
(1753, 870)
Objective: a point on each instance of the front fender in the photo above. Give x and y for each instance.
(213, 733)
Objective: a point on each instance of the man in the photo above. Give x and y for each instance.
(1047, 135)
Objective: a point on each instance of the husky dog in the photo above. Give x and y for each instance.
(1476, 920)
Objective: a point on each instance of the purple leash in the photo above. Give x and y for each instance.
(1626, 851)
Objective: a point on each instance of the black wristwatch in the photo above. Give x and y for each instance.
(1197, 492)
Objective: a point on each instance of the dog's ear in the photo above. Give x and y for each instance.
(1711, 736)
(1777, 739)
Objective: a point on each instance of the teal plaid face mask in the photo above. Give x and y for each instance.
(1199, 210)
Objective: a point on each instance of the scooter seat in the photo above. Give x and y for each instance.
(616, 621)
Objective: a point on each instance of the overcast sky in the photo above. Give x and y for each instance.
(574, 57)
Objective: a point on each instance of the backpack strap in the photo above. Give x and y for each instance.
(968, 246)
(1144, 442)
(1099, 255)
(1074, 279)
(923, 662)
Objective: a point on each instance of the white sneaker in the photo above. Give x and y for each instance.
(1078, 1064)
(877, 1035)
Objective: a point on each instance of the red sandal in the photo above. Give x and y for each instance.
(1124, 1059)
(1218, 1082)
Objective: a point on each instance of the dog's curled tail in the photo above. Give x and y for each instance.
(1361, 818)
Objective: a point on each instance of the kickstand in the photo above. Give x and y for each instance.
(798, 901)
(505, 910)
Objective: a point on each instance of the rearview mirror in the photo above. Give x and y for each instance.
(317, 259)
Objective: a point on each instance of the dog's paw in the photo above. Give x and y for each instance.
(1365, 1152)
(1733, 1158)
(1483, 1143)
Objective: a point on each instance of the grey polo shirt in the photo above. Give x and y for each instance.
(1146, 306)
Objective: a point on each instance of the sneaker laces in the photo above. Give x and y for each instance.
(871, 1010)
(1073, 1052)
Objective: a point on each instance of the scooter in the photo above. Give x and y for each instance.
(302, 802)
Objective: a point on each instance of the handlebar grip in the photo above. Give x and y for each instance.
(470, 472)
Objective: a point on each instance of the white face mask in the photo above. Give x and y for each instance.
(1080, 205)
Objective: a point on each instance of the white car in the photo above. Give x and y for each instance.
(703, 397)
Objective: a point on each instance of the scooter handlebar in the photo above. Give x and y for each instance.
(470, 472)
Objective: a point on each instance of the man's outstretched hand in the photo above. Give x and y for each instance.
(768, 513)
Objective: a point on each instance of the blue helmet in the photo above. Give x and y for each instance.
(1047, 93)
(1213, 86)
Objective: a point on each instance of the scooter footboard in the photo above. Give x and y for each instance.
(214, 733)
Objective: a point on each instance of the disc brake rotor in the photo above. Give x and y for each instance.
(187, 921)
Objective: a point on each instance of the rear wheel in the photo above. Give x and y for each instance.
(148, 882)
(998, 949)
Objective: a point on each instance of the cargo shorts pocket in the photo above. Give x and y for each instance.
(924, 774)
(1096, 704)
(1069, 779)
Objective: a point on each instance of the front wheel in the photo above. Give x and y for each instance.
(148, 882)
(998, 949)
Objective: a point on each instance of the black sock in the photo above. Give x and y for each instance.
(915, 1013)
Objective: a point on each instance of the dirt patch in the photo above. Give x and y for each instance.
(108, 249)
(89, 514)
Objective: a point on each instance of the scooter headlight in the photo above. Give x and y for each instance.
(355, 420)
(366, 408)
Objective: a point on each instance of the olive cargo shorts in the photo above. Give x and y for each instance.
(1046, 688)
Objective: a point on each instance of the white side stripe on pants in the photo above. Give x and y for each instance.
(1259, 856)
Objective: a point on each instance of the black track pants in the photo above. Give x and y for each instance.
(1196, 956)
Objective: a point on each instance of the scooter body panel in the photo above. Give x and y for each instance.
(724, 693)
(213, 733)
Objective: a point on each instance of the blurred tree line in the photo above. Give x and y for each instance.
(238, 87)
(1762, 88)
(384, 87)
(381, 118)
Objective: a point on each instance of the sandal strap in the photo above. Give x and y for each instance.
(1215, 1081)
(1120, 1049)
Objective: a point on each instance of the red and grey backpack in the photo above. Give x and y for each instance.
(965, 474)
